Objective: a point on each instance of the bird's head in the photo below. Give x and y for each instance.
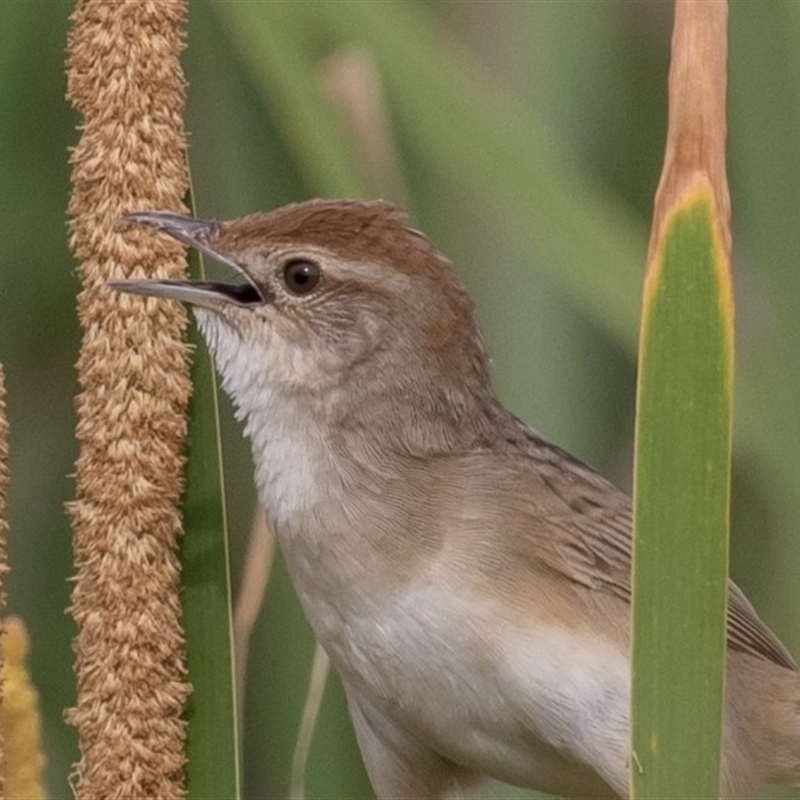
(335, 299)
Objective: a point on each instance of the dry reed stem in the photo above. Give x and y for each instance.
(256, 570)
(317, 680)
(125, 80)
(352, 81)
(695, 150)
(3, 533)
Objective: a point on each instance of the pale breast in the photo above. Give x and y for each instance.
(527, 706)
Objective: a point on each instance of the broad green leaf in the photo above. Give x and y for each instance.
(681, 498)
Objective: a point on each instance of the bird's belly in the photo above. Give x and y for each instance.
(538, 707)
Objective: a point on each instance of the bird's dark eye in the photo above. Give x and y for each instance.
(301, 276)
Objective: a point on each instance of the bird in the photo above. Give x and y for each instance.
(470, 580)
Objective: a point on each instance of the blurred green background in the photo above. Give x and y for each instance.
(528, 137)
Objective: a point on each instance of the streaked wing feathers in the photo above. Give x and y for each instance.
(598, 520)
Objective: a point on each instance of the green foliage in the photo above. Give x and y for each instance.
(681, 499)
(212, 743)
(530, 136)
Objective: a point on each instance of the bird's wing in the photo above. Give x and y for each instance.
(596, 519)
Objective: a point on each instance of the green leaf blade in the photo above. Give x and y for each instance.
(681, 509)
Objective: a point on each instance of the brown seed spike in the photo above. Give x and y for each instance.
(125, 79)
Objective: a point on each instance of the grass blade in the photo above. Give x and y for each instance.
(683, 435)
(212, 743)
(682, 480)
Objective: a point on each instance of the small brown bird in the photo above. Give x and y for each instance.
(469, 580)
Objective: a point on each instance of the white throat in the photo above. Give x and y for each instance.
(295, 471)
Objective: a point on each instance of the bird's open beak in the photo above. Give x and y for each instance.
(200, 234)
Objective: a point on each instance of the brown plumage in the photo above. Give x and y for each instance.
(470, 580)
(353, 229)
